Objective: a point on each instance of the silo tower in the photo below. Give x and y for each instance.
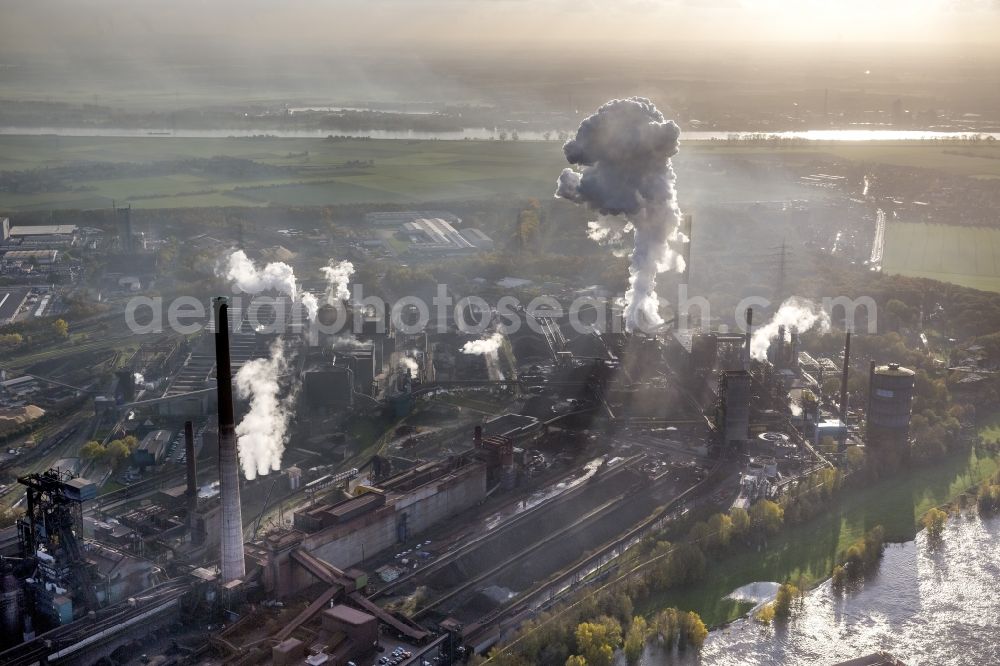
(890, 395)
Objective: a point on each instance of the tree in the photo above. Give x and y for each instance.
(61, 328)
(10, 340)
(838, 577)
(741, 520)
(766, 515)
(117, 451)
(635, 640)
(934, 520)
(720, 528)
(597, 640)
(92, 450)
(695, 630)
(576, 660)
(783, 601)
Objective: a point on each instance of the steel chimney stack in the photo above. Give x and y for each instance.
(749, 336)
(192, 471)
(231, 561)
(843, 378)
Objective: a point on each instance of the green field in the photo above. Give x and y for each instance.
(812, 548)
(318, 170)
(319, 174)
(967, 256)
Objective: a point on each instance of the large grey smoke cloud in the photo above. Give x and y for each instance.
(800, 313)
(624, 152)
(262, 433)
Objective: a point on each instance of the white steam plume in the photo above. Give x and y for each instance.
(138, 379)
(311, 304)
(347, 342)
(484, 345)
(337, 276)
(800, 313)
(277, 275)
(245, 275)
(407, 363)
(262, 433)
(624, 152)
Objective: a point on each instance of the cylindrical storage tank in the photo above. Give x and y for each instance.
(294, 477)
(890, 396)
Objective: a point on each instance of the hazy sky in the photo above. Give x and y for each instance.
(162, 27)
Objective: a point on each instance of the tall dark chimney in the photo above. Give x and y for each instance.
(192, 470)
(231, 559)
(843, 378)
(746, 347)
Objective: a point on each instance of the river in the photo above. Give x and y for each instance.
(927, 604)
(482, 134)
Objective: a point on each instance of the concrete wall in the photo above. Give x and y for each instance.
(423, 507)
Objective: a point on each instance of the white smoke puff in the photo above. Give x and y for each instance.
(484, 345)
(347, 342)
(337, 277)
(242, 272)
(624, 152)
(262, 433)
(138, 379)
(608, 230)
(800, 313)
(311, 305)
(407, 363)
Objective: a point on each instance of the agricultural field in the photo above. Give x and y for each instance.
(315, 171)
(312, 171)
(967, 256)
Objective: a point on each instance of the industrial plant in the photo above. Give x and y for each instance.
(344, 335)
(434, 545)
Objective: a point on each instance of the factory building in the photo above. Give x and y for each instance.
(890, 396)
(152, 448)
(479, 240)
(345, 533)
(37, 236)
(733, 412)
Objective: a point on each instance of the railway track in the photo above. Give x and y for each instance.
(581, 522)
(497, 533)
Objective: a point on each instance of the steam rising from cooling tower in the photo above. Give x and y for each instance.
(262, 433)
(484, 345)
(799, 313)
(624, 152)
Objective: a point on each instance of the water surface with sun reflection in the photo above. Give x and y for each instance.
(929, 603)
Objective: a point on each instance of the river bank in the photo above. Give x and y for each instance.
(811, 549)
(929, 602)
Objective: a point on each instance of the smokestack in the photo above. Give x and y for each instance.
(843, 378)
(477, 437)
(192, 471)
(746, 345)
(231, 560)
